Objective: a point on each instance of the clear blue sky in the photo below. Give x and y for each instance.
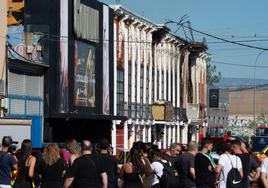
(229, 19)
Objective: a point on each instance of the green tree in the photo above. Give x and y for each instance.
(260, 120)
(213, 76)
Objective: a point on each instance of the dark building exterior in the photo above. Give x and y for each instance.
(78, 38)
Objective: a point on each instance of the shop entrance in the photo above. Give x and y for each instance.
(59, 130)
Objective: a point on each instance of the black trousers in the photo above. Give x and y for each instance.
(156, 186)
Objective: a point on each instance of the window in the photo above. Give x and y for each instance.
(141, 91)
(120, 92)
(162, 83)
(129, 89)
(153, 84)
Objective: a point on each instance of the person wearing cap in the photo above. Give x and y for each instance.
(7, 163)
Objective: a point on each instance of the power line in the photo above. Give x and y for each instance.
(253, 40)
(225, 40)
(235, 64)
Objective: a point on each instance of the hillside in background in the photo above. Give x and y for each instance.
(240, 82)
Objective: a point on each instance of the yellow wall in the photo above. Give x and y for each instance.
(241, 102)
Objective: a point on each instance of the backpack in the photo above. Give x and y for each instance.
(234, 179)
(170, 178)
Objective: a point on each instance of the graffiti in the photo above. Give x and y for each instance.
(238, 122)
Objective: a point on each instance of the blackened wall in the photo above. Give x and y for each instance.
(44, 16)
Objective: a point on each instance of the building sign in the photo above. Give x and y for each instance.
(158, 112)
(86, 22)
(84, 75)
(25, 46)
(214, 98)
(162, 112)
(15, 12)
(169, 112)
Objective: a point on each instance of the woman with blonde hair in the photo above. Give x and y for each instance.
(52, 168)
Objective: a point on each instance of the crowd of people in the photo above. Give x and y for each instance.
(80, 165)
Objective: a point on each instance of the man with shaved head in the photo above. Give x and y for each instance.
(87, 170)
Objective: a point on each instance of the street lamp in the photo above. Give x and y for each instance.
(254, 93)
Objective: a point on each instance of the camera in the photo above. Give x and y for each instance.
(12, 148)
(11, 144)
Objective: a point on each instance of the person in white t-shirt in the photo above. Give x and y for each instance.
(264, 172)
(226, 161)
(157, 168)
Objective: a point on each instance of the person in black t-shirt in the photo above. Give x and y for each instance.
(245, 159)
(185, 166)
(204, 166)
(110, 163)
(87, 171)
(173, 153)
(51, 167)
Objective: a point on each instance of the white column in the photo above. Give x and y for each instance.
(204, 62)
(114, 136)
(160, 57)
(193, 136)
(185, 135)
(155, 71)
(149, 133)
(197, 136)
(138, 67)
(115, 89)
(174, 133)
(144, 66)
(165, 137)
(125, 136)
(159, 145)
(138, 135)
(132, 137)
(173, 76)
(115, 70)
(169, 72)
(164, 65)
(169, 135)
(150, 66)
(143, 133)
(178, 77)
(133, 68)
(125, 65)
(178, 132)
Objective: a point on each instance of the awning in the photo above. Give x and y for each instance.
(86, 116)
(26, 67)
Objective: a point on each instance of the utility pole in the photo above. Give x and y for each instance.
(254, 91)
(191, 31)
